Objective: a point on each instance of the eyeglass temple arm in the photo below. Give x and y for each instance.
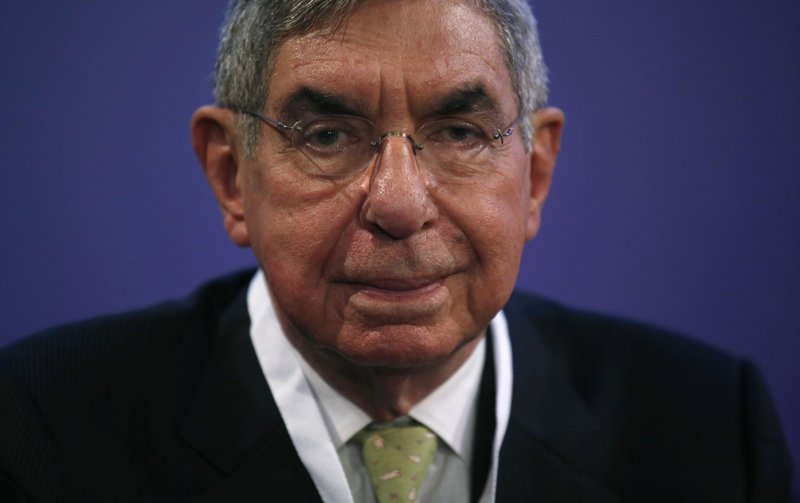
(264, 118)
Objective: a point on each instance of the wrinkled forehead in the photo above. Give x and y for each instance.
(320, 19)
(392, 53)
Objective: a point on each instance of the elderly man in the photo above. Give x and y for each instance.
(386, 161)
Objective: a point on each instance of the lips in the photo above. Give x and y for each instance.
(398, 285)
(397, 300)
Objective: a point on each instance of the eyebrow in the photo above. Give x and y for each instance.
(471, 98)
(310, 100)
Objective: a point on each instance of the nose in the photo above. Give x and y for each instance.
(398, 201)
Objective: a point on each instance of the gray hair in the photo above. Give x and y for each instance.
(254, 29)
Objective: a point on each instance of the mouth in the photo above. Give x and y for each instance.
(398, 286)
(398, 300)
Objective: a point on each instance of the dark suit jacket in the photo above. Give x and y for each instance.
(170, 404)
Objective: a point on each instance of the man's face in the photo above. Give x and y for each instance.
(391, 267)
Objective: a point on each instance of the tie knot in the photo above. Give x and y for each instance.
(397, 460)
(401, 437)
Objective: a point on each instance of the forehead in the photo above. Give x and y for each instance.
(396, 53)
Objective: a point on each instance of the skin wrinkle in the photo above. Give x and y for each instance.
(386, 281)
(428, 259)
(316, 67)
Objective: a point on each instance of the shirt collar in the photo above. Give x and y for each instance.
(455, 398)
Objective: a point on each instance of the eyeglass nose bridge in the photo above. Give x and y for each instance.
(376, 143)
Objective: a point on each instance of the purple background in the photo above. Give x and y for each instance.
(676, 199)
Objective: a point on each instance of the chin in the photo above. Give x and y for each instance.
(400, 347)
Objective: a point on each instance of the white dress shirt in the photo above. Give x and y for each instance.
(321, 422)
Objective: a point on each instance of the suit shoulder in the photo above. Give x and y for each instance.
(607, 356)
(124, 338)
(597, 335)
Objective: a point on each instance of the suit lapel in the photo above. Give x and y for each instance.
(485, 424)
(553, 449)
(236, 426)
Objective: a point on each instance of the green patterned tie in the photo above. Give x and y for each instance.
(397, 460)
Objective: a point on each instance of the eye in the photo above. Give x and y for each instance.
(329, 135)
(454, 133)
(458, 134)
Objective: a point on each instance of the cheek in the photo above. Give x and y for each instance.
(293, 225)
(500, 238)
(494, 223)
(496, 217)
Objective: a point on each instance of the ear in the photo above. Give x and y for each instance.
(215, 144)
(548, 124)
